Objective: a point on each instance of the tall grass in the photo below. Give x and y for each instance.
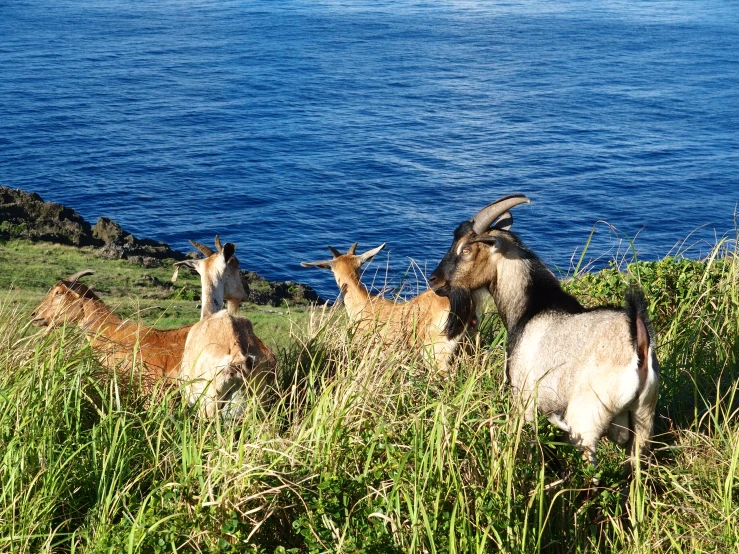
(362, 447)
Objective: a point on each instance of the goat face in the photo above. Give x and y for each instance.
(63, 303)
(345, 267)
(219, 272)
(478, 244)
(470, 265)
(466, 264)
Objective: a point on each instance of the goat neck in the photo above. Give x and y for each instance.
(522, 286)
(97, 317)
(211, 296)
(356, 296)
(213, 286)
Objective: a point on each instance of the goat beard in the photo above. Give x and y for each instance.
(460, 311)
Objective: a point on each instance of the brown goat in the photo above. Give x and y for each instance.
(119, 343)
(423, 319)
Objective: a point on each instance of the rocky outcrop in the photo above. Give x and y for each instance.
(25, 215)
(121, 244)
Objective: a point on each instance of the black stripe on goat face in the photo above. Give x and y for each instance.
(457, 268)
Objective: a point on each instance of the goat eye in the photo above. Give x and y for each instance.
(466, 251)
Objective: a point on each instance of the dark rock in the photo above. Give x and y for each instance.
(107, 231)
(146, 261)
(111, 252)
(265, 292)
(26, 215)
(146, 280)
(111, 233)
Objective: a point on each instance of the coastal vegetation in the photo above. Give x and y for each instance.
(361, 448)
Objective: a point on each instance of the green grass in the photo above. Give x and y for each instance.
(363, 449)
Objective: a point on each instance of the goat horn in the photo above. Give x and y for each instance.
(218, 244)
(505, 221)
(352, 249)
(335, 252)
(370, 254)
(484, 218)
(79, 274)
(204, 249)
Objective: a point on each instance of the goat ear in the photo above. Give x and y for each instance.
(491, 241)
(69, 289)
(189, 264)
(367, 256)
(228, 250)
(505, 222)
(218, 244)
(323, 264)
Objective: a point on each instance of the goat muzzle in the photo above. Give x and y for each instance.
(438, 285)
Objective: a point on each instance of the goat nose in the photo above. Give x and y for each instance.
(433, 280)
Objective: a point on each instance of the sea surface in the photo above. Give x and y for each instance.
(288, 126)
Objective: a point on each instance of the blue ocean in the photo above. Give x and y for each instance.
(288, 126)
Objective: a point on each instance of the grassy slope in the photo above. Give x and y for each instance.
(364, 449)
(28, 270)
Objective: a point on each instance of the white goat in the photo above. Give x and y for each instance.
(222, 354)
(592, 372)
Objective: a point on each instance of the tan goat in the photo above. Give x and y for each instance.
(222, 354)
(424, 319)
(118, 342)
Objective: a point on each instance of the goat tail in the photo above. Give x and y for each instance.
(641, 328)
(643, 337)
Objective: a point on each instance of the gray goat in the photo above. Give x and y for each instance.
(592, 372)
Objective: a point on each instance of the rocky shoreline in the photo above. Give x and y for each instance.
(25, 215)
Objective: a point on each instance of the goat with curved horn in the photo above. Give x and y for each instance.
(119, 344)
(592, 372)
(222, 355)
(220, 278)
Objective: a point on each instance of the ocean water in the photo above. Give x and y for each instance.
(288, 126)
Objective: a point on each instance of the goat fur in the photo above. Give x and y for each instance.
(222, 355)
